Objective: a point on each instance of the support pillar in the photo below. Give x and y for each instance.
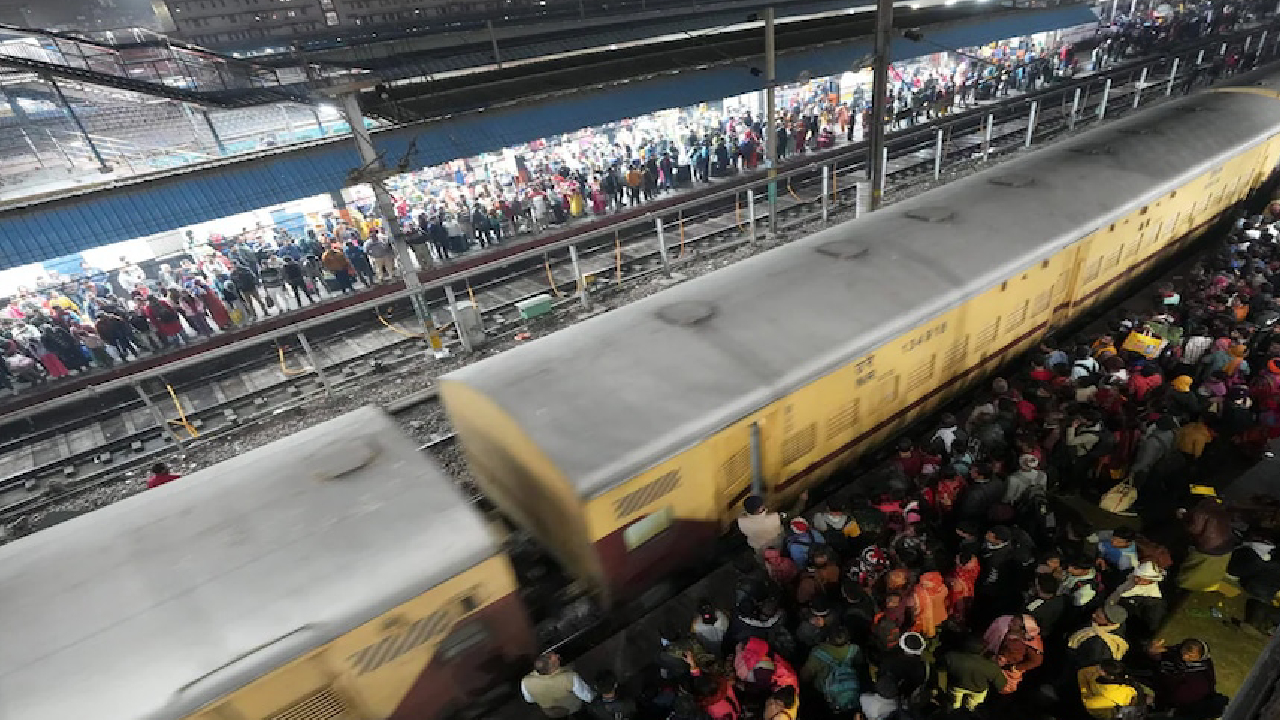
(316, 367)
(288, 122)
(937, 155)
(826, 192)
(1137, 90)
(386, 208)
(877, 154)
(662, 247)
(1106, 96)
(1031, 122)
(579, 279)
(158, 416)
(217, 139)
(463, 335)
(751, 213)
(1173, 76)
(771, 80)
(66, 106)
(1075, 110)
(986, 136)
(1200, 57)
(315, 115)
(493, 40)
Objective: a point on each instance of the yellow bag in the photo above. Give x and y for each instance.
(236, 315)
(1146, 345)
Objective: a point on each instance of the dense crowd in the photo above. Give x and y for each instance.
(1018, 558)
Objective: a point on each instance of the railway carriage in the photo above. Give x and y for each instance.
(626, 442)
(332, 575)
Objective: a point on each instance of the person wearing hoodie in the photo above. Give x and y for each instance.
(1027, 480)
(1180, 400)
(1156, 443)
(982, 493)
(1185, 683)
(1140, 596)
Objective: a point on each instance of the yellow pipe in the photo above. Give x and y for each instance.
(182, 414)
(289, 372)
(546, 263)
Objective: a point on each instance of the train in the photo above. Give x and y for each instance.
(338, 574)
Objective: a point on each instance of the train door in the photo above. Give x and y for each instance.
(472, 659)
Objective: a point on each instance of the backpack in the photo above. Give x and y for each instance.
(840, 685)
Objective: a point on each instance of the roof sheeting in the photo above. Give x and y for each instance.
(61, 227)
(757, 330)
(114, 615)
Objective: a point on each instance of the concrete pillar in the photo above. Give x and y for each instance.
(662, 246)
(1031, 122)
(314, 361)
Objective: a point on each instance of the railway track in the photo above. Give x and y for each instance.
(103, 454)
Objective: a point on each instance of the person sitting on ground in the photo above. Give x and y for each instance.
(1185, 682)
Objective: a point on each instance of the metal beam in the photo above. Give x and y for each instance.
(879, 99)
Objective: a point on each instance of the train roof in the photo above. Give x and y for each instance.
(611, 396)
(137, 610)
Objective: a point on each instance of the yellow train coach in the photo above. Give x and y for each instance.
(336, 574)
(626, 442)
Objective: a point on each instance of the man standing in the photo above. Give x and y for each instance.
(558, 691)
(381, 255)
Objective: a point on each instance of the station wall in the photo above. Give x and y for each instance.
(64, 226)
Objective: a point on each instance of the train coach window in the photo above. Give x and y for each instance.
(1143, 211)
(647, 528)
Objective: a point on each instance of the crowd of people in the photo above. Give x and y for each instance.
(1020, 557)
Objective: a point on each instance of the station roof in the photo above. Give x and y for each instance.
(136, 611)
(161, 202)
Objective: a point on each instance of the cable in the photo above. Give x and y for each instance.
(288, 371)
(378, 312)
(546, 263)
(793, 192)
(183, 422)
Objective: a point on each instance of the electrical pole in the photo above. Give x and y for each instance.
(879, 100)
(374, 173)
(771, 106)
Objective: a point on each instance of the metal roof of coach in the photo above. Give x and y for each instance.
(124, 613)
(611, 396)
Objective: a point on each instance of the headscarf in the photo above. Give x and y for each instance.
(1106, 633)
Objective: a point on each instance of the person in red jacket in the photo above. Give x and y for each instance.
(160, 475)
